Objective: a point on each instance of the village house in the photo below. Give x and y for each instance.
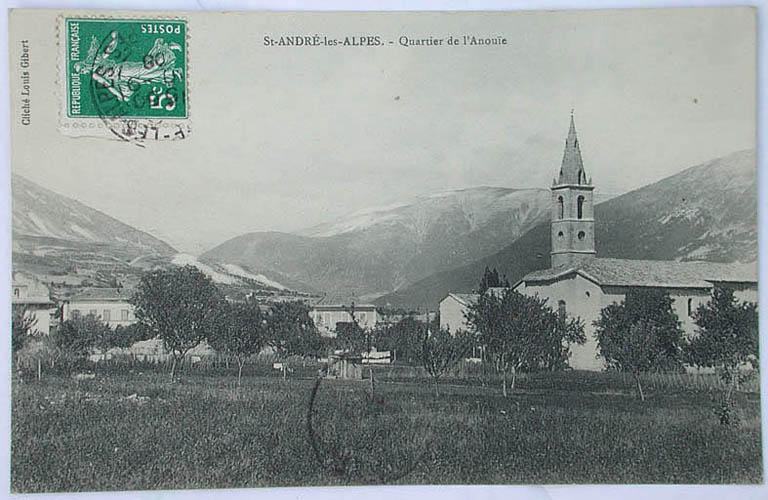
(108, 304)
(389, 318)
(35, 298)
(326, 316)
(453, 310)
(580, 284)
(111, 306)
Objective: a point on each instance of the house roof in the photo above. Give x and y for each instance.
(102, 294)
(33, 301)
(466, 299)
(651, 273)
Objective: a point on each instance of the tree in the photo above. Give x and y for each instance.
(22, 327)
(556, 342)
(243, 331)
(727, 340)
(441, 351)
(105, 338)
(351, 337)
(126, 336)
(491, 279)
(521, 332)
(179, 305)
(640, 334)
(354, 340)
(404, 338)
(293, 331)
(76, 336)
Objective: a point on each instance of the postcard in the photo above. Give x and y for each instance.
(262, 249)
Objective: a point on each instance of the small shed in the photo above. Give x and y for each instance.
(342, 366)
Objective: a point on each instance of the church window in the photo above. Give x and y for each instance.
(559, 207)
(560, 234)
(580, 207)
(16, 292)
(580, 173)
(581, 235)
(561, 309)
(690, 307)
(587, 293)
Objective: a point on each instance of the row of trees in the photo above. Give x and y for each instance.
(640, 334)
(183, 307)
(643, 334)
(518, 333)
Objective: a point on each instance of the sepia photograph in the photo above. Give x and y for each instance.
(303, 249)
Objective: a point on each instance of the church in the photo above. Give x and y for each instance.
(580, 283)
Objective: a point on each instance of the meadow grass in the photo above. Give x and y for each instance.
(204, 432)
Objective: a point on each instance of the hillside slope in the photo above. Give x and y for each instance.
(42, 215)
(70, 245)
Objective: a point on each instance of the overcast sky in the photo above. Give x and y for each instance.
(286, 138)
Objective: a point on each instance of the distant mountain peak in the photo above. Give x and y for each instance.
(473, 199)
(376, 250)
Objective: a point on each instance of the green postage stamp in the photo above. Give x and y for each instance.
(128, 74)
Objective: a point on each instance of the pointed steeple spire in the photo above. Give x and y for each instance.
(572, 168)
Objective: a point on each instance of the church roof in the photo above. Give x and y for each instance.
(465, 298)
(651, 273)
(572, 167)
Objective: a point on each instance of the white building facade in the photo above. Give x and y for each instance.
(110, 305)
(35, 299)
(453, 311)
(327, 316)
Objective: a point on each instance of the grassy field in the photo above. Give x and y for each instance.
(137, 431)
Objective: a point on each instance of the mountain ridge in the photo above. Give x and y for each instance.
(705, 212)
(378, 250)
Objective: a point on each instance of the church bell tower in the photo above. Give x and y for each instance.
(573, 222)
